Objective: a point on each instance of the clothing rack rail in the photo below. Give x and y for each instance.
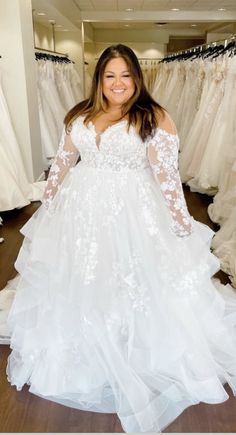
(149, 58)
(201, 46)
(51, 51)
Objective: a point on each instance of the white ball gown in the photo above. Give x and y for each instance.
(115, 310)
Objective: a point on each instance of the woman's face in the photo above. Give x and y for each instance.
(118, 86)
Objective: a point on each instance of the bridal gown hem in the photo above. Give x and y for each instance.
(115, 312)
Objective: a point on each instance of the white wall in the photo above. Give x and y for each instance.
(142, 50)
(112, 36)
(90, 55)
(43, 36)
(88, 32)
(212, 37)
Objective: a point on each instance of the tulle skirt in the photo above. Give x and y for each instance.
(113, 312)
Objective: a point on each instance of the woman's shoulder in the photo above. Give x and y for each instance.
(165, 122)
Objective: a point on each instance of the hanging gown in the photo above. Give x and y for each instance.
(15, 189)
(115, 310)
(195, 142)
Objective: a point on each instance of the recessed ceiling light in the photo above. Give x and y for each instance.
(175, 9)
(127, 25)
(129, 9)
(41, 13)
(221, 9)
(193, 25)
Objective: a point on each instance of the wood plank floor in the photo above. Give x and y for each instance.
(21, 411)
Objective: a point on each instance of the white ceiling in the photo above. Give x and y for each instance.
(113, 14)
(155, 5)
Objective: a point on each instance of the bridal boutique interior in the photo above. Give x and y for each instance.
(48, 52)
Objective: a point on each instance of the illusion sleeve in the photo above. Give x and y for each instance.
(66, 157)
(162, 152)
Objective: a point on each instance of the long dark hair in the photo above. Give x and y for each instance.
(141, 109)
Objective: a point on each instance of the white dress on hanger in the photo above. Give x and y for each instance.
(158, 81)
(50, 95)
(75, 83)
(160, 86)
(88, 81)
(189, 103)
(191, 156)
(15, 191)
(48, 131)
(58, 91)
(223, 208)
(221, 141)
(223, 148)
(173, 94)
(115, 310)
(224, 245)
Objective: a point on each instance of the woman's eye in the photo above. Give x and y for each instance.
(111, 77)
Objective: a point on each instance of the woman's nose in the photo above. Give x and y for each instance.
(117, 80)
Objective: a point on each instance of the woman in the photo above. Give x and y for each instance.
(115, 310)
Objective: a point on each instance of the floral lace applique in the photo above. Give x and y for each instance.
(163, 158)
(66, 158)
(125, 277)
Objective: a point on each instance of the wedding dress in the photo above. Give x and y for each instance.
(190, 99)
(193, 151)
(115, 310)
(221, 140)
(224, 246)
(174, 93)
(225, 147)
(160, 85)
(16, 191)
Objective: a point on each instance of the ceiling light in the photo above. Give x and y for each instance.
(175, 9)
(193, 25)
(127, 25)
(58, 25)
(221, 9)
(129, 9)
(52, 21)
(41, 13)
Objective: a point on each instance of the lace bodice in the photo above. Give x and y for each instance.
(120, 149)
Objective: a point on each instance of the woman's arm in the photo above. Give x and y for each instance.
(66, 157)
(162, 152)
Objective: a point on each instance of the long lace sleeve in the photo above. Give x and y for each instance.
(162, 152)
(66, 157)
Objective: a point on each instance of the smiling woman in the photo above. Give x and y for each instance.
(109, 102)
(115, 310)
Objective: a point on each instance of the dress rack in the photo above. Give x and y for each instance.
(201, 46)
(51, 51)
(149, 58)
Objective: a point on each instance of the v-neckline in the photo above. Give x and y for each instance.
(98, 135)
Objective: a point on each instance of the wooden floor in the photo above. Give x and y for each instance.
(21, 411)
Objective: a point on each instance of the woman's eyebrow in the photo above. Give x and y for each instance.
(112, 72)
